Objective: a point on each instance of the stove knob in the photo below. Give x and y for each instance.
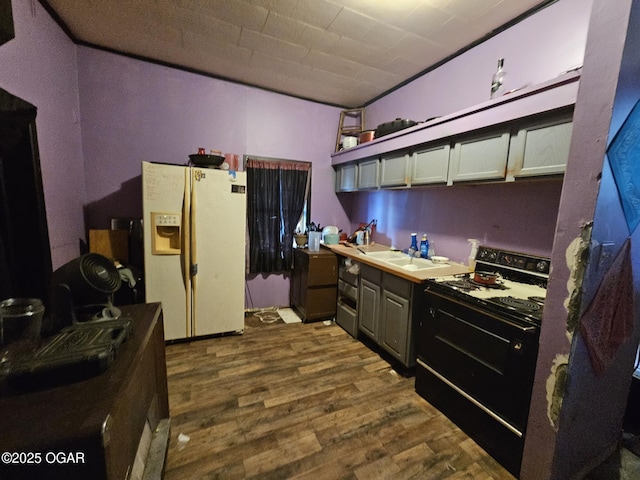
(542, 266)
(517, 346)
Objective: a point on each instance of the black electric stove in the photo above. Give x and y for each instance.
(519, 290)
(477, 346)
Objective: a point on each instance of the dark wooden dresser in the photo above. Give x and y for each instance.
(92, 428)
(314, 283)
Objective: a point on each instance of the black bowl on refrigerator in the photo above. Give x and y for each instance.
(206, 160)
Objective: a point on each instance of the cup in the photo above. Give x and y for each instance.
(349, 142)
(233, 160)
(20, 326)
(314, 241)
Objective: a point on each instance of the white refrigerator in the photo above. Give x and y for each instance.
(194, 247)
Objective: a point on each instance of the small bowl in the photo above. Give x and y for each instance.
(331, 238)
(438, 259)
(301, 240)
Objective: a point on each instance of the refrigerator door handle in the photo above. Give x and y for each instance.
(193, 267)
(186, 250)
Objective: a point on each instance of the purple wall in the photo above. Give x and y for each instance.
(39, 66)
(516, 216)
(535, 50)
(100, 115)
(590, 423)
(133, 111)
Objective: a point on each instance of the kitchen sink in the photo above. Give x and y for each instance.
(413, 264)
(384, 255)
(401, 260)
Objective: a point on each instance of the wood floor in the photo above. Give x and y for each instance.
(306, 401)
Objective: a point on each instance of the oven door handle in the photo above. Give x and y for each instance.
(477, 403)
(522, 328)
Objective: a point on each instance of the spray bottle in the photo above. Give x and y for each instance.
(472, 254)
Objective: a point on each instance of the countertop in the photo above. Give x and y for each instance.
(419, 276)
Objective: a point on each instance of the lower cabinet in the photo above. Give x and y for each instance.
(385, 312)
(369, 301)
(314, 282)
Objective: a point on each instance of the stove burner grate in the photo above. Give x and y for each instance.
(468, 284)
(463, 283)
(539, 300)
(520, 304)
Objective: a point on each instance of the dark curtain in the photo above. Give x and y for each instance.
(275, 199)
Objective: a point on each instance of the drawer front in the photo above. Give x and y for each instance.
(347, 289)
(370, 273)
(397, 285)
(347, 318)
(347, 277)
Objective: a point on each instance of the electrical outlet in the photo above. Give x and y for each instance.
(605, 255)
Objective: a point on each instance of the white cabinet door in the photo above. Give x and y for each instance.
(346, 177)
(482, 157)
(368, 174)
(541, 148)
(430, 166)
(394, 170)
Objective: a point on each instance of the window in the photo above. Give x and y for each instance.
(277, 202)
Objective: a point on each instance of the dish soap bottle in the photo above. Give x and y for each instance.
(424, 247)
(414, 244)
(497, 81)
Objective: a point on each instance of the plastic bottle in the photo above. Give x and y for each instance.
(414, 242)
(431, 251)
(497, 80)
(472, 254)
(424, 247)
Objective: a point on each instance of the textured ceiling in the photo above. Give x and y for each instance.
(340, 52)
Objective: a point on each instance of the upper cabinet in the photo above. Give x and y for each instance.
(347, 178)
(523, 134)
(430, 165)
(394, 170)
(540, 148)
(479, 157)
(368, 171)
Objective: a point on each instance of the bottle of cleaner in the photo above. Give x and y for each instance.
(414, 244)
(424, 247)
(497, 80)
(472, 254)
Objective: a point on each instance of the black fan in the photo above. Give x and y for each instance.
(83, 289)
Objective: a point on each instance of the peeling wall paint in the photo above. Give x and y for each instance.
(556, 385)
(576, 255)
